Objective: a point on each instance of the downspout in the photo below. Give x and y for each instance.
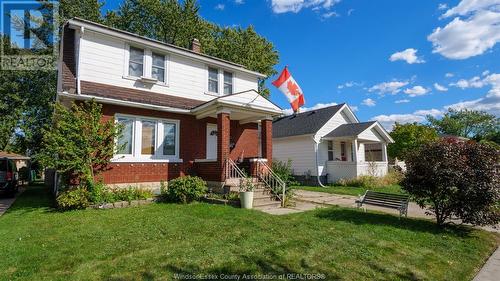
(78, 53)
(316, 143)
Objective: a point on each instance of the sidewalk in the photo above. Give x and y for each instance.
(491, 270)
(5, 203)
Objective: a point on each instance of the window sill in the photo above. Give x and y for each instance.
(204, 160)
(145, 160)
(133, 78)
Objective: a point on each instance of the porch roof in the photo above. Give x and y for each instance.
(357, 130)
(247, 106)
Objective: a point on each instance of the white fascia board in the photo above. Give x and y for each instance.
(74, 23)
(124, 103)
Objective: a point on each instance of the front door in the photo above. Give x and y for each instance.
(211, 141)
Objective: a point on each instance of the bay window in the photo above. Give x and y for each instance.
(147, 139)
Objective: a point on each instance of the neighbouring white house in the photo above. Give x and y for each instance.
(329, 144)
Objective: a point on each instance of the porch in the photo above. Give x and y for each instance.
(355, 150)
(240, 132)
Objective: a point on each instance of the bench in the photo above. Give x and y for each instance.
(387, 200)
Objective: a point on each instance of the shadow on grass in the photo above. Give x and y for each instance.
(36, 197)
(270, 264)
(361, 218)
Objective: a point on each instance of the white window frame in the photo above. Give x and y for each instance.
(220, 82)
(127, 73)
(332, 150)
(121, 155)
(165, 67)
(224, 82)
(158, 156)
(147, 64)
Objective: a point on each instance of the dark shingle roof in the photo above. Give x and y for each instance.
(349, 130)
(305, 123)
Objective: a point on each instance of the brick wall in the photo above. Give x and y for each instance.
(192, 146)
(68, 60)
(267, 140)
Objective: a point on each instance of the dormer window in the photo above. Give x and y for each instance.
(136, 62)
(158, 67)
(213, 80)
(228, 83)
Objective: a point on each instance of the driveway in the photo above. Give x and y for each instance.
(6, 202)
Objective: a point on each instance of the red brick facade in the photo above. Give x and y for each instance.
(192, 145)
(267, 140)
(68, 66)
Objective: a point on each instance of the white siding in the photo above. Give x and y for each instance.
(300, 150)
(336, 120)
(104, 58)
(369, 135)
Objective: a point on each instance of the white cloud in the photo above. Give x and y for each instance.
(486, 72)
(474, 82)
(239, 2)
(416, 91)
(294, 6)
(329, 15)
(353, 107)
(466, 7)
(440, 88)
(369, 102)
(348, 85)
(392, 87)
(219, 7)
(314, 107)
(449, 75)
(408, 55)
(474, 30)
(442, 6)
(350, 11)
(402, 101)
(489, 103)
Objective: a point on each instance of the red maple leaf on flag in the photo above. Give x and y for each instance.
(293, 88)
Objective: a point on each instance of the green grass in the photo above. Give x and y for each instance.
(156, 241)
(351, 190)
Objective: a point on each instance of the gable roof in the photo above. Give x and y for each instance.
(13, 156)
(349, 130)
(304, 123)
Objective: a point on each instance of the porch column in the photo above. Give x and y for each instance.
(267, 140)
(355, 152)
(223, 139)
(384, 152)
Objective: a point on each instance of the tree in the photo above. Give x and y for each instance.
(455, 178)
(477, 125)
(408, 137)
(78, 143)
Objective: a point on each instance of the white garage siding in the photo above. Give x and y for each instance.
(300, 149)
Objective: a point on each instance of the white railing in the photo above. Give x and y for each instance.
(233, 171)
(272, 181)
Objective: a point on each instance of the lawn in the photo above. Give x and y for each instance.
(156, 241)
(351, 190)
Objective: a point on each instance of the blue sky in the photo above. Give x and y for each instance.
(390, 60)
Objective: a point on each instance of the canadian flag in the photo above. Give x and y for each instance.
(286, 84)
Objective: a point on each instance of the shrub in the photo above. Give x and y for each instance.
(391, 178)
(131, 193)
(284, 171)
(185, 189)
(455, 179)
(73, 199)
(361, 181)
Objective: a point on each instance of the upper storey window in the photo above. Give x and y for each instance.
(228, 83)
(136, 62)
(213, 80)
(158, 67)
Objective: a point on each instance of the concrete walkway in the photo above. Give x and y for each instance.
(5, 202)
(491, 270)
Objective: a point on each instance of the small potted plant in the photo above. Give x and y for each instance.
(246, 193)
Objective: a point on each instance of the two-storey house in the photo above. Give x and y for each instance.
(183, 112)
